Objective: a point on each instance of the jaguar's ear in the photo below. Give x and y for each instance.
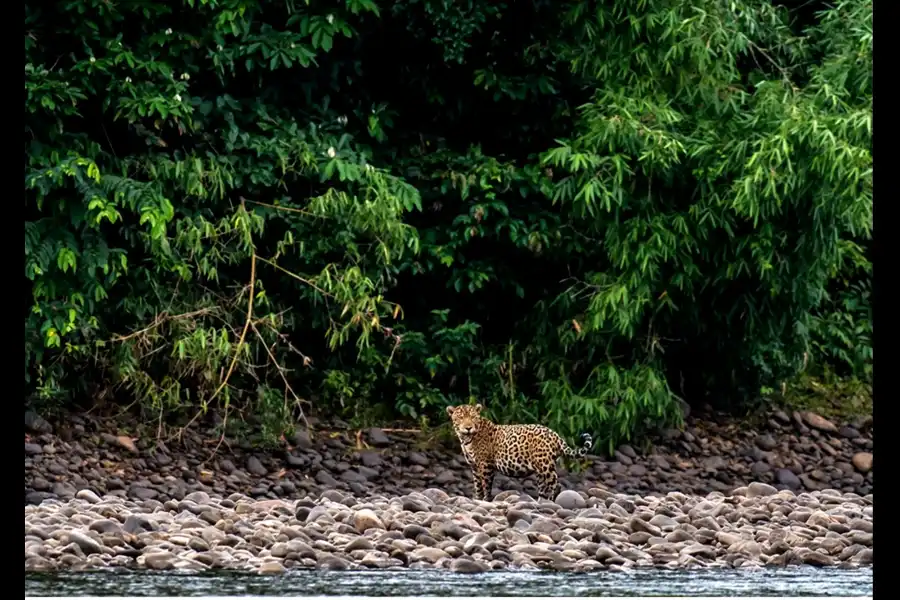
(479, 408)
(450, 410)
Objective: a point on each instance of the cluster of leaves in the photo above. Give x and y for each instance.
(584, 209)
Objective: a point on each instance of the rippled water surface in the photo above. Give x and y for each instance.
(788, 581)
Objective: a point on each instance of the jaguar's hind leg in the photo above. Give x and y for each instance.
(548, 483)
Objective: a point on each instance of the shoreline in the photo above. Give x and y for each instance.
(840, 567)
(717, 494)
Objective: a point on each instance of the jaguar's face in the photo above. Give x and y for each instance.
(465, 419)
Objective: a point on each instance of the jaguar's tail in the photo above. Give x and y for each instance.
(587, 440)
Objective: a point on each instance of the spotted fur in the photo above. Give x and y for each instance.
(513, 450)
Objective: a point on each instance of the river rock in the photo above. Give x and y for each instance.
(366, 519)
(87, 544)
(862, 461)
(788, 479)
(570, 499)
(271, 568)
(757, 489)
(255, 467)
(819, 422)
(88, 496)
(159, 561)
(377, 437)
(464, 565)
(34, 423)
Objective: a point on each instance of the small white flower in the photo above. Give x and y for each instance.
(369, 168)
(93, 60)
(177, 97)
(293, 45)
(185, 76)
(128, 80)
(169, 31)
(330, 19)
(342, 119)
(331, 152)
(219, 47)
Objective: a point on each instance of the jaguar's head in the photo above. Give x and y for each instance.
(466, 419)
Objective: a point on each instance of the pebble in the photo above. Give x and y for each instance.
(787, 478)
(464, 565)
(570, 499)
(367, 519)
(862, 461)
(87, 544)
(88, 495)
(819, 422)
(271, 568)
(34, 423)
(757, 489)
(255, 466)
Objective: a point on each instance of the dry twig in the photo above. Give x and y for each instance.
(240, 344)
(281, 371)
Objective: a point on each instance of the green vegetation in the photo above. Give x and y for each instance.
(840, 399)
(573, 211)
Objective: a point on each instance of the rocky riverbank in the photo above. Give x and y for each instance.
(755, 526)
(796, 490)
(802, 452)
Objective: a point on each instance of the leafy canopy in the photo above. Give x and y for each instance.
(574, 211)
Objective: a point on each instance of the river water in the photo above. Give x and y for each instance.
(782, 581)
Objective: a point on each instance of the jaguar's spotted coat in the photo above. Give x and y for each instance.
(513, 450)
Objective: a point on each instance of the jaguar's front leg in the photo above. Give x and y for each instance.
(489, 486)
(477, 483)
(484, 479)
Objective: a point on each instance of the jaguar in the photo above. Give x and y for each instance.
(513, 450)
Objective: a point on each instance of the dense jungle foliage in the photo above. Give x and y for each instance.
(577, 212)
